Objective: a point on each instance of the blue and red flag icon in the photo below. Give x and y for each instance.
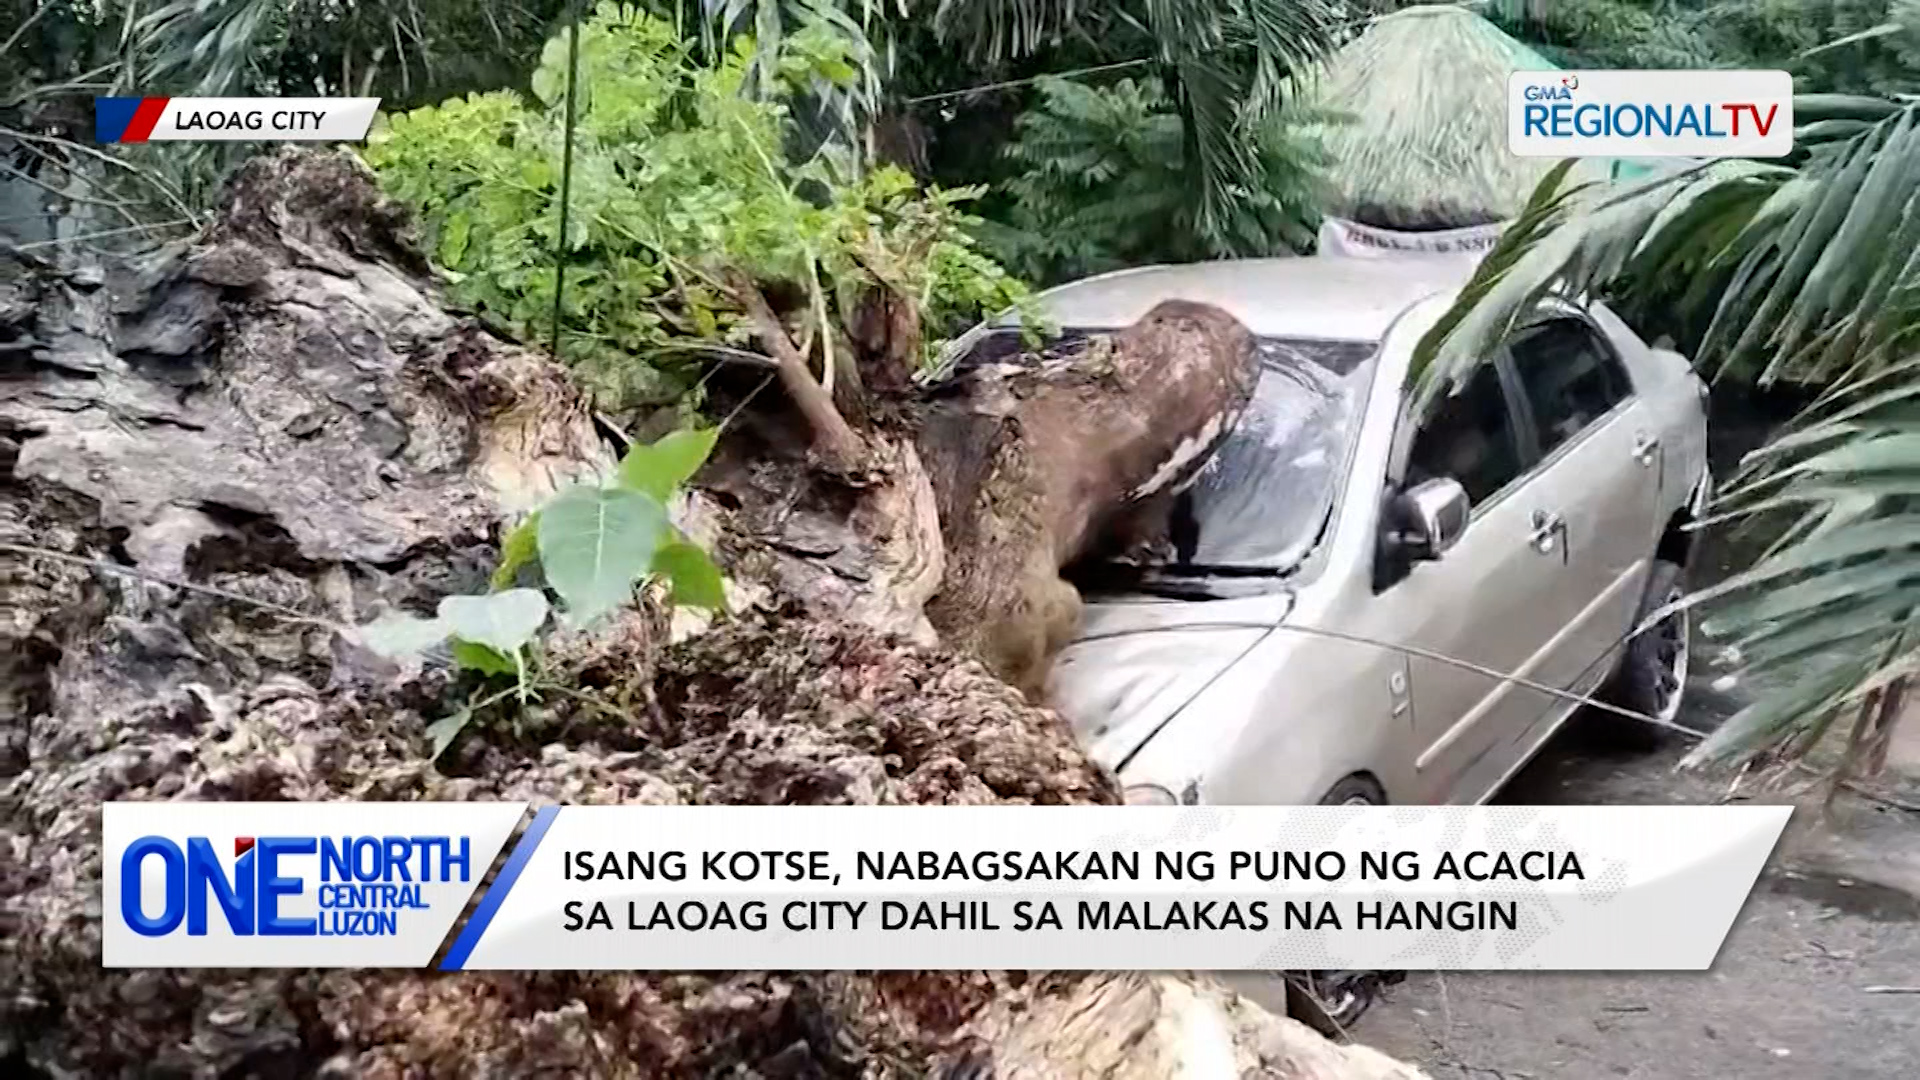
(126, 119)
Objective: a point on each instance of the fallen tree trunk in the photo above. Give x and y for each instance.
(1033, 463)
(210, 463)
(969, 508)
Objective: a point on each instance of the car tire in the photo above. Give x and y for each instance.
(1652, 676)
(1355, 791)
(1332, 1001)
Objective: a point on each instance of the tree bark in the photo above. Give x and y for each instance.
(1153, 1026)
(1032, 464)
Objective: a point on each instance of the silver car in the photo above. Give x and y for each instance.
(1287, 651)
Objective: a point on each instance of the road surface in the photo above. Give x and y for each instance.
(1835, 913)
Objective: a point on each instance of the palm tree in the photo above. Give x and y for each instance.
(1226, 64)
(1805, 272)
(407, 51)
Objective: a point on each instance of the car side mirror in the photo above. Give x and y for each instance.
(1432, 515)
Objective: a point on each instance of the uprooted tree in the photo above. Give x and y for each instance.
(221, 465)
(218, 460)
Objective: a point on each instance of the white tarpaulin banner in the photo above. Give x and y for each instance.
(913, 888)
(1339, 236)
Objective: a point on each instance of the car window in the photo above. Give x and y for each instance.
(1570, 376)
(1469, 436)
(1263, 498)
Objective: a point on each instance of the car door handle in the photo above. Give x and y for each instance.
(1548, 528)
(1645, 448)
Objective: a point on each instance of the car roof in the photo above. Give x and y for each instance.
(1329, 297)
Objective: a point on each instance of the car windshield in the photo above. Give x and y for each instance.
(1263, 499)
(1261, 502)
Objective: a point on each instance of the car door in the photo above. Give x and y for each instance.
(1597, 483)
(1492, 601)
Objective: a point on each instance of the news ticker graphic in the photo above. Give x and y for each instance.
(267, 885)
(1629, 114)
(177, 119)
(291, 884)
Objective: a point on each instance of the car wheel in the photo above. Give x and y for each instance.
(1333, 1001)
(1652, 677)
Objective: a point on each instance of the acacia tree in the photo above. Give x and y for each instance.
(687, 233)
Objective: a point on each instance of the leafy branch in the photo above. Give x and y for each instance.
(687, 222)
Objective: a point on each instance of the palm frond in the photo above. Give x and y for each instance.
(205, 48)
(1572, 240)
(1827, 614)
(846, 63)
(995, 31)
(1808, 274)
(1805, 272)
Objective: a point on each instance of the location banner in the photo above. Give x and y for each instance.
(180, 119)
(925, 888)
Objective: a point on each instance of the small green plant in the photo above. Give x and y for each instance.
(593, 543)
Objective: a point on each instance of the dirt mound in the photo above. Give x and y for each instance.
(766, 711)
(284, 414)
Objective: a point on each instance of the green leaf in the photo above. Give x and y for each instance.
(659, 468)
(502, 621)
(595, 543)
(446, 729)
(1808, 108)
(521, 546)
(453, 239)
(1868, 539)
(695, 580)
(1854, 584)
(477, 657)
(400, 635)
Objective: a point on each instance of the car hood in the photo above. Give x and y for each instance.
(1138, 661)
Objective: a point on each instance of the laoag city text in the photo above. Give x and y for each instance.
(251, 120)
(800, 916)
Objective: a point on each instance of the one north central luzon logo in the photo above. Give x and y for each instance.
(1555, 112)
(365, 883)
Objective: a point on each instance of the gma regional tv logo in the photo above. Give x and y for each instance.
(1694, 114)
(291, 884)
